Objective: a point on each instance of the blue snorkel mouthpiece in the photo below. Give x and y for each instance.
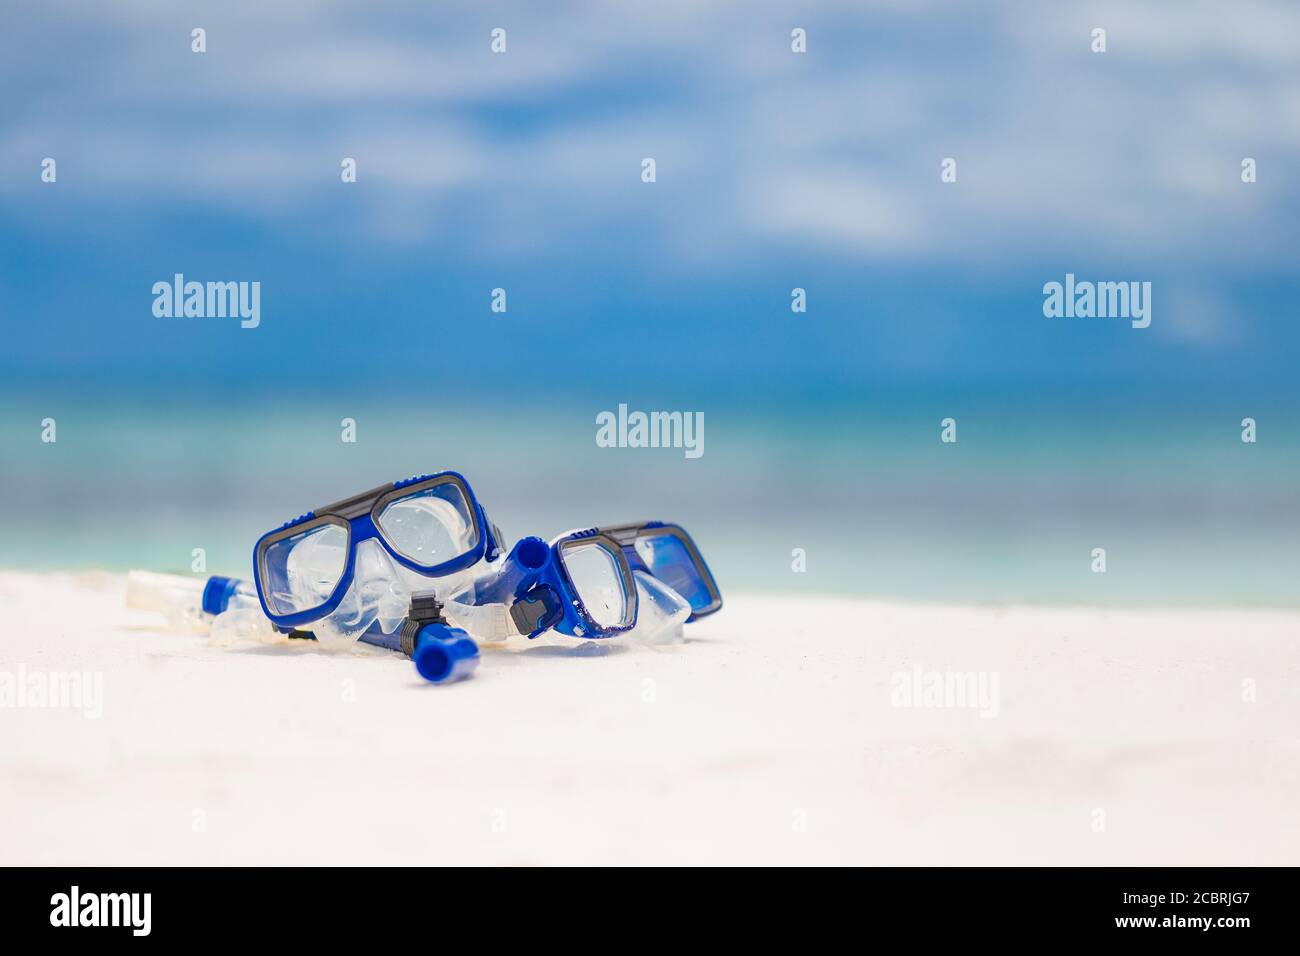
(521, 585)
(442, 653)
(523, 567)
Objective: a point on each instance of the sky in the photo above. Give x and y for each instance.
(775, 170)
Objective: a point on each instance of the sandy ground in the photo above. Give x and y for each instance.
(775, 734)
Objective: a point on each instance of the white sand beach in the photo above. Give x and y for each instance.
(771, 735)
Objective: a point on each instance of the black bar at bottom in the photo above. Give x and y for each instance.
(618, 907)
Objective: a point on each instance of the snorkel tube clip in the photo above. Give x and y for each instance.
(536, 610)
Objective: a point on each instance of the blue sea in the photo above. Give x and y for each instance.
(857, 482)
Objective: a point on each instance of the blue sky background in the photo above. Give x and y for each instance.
(775, 170)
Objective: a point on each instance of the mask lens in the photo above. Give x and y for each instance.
(596, 577)
(669, 560)
(431, 526)
(299, 573)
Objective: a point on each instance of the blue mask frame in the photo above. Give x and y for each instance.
(678, 565)
(358, 516)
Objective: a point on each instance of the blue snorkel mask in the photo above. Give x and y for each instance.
(595, 583)
(416, 566)
(349, 568)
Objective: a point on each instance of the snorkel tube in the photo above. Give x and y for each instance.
(527, 584)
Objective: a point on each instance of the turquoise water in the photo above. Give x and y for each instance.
(1188, 513)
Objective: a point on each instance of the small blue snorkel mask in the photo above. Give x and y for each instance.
(593, 583)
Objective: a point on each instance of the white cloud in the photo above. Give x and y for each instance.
(1136, 150)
